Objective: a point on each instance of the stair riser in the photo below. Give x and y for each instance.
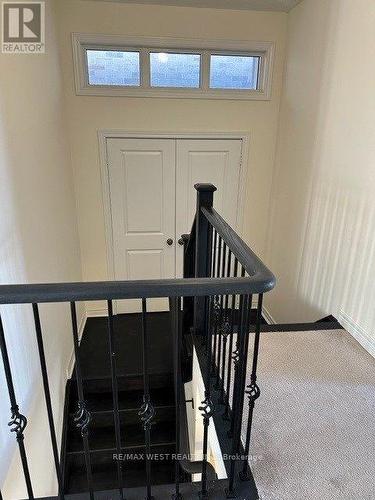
(131, 479)
(104, 469)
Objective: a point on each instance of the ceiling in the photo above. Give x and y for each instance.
(275, 5)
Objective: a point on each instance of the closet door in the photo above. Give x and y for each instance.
(217, 161)
(142, 191)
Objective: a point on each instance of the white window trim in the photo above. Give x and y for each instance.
(81, 42)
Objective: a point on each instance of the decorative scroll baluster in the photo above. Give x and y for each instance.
(207, 407)
(230, 353)
(82, 416)
(175, 307)
(221, 323)
(239, 382)
(215, 328)
(116, 414)
(18, 421)
(47, 396)
(147, 411)
(253, 390)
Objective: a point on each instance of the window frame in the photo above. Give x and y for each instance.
(205, 48)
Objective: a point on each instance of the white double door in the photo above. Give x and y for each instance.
(153, 201)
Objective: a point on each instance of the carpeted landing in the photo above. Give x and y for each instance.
(314, 423)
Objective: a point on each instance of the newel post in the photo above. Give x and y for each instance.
(203, 250)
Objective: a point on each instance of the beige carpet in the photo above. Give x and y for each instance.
(314, 423)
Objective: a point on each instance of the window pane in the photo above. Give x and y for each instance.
(234, 72)
(113, 67)
(174, 70)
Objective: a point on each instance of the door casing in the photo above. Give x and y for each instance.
(103, 135)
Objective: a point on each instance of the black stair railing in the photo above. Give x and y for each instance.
(220, 253)
(211, 305)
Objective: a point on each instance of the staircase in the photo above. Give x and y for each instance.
(102, 434)
(98, 393)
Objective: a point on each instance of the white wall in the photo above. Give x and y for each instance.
(321, 241)
(38, 243)
(88, 114)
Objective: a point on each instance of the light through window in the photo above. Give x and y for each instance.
(234, 72)
(113, 67)
(174, 70)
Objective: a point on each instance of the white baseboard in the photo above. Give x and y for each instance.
(268, 317)
(81, 327)
(97, 313)
(357, 332)
(265, 313)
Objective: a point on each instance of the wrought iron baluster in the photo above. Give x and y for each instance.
(220, 329)
(188, 272)
(82, 416)
(216, 306)
(213, 262)
(175, 307)
(236, 360)
(147, 411)
(18, 421)
(213, 270)
(225, 332)
(116, 414)
(209, 267)
(47, 396)
(253, 390)
(207, 408)
(230, 349)
(240, 393)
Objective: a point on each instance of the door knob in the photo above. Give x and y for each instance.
(169, 241)
(181, 241)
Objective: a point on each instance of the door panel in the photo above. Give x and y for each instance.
(142, 190)
(206, 160)
(153, 199)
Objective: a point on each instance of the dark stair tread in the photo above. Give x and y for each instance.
(132, 436)
(94, 349)
(128, 456)
(128, 400)
(134, 474)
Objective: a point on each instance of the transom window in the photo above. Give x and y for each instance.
(110, 65)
